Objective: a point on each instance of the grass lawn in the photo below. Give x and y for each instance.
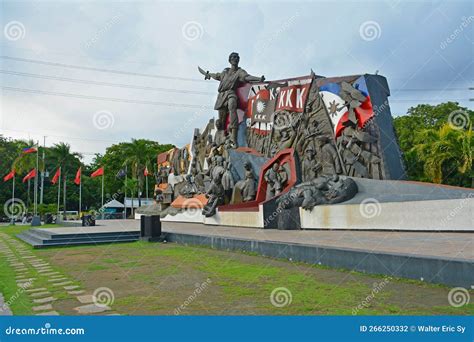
(167, 279)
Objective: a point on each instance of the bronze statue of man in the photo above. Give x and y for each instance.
(230, 79)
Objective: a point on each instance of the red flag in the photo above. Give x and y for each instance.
(77, 180)
(56, 176)
(145, 172)
(98, 172)
(31, 174)
(9, 176)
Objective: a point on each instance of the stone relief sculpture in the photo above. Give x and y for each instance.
(310, 166)
(321, 190)
(328, 123)
(358, 160)
(227, 181)
(245, 189)
(276, 178)
(190, 188)
(215, 196)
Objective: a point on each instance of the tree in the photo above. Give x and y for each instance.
(133, 156)
(444, 151)
(423, 121)
(24, 163)
(131, 184)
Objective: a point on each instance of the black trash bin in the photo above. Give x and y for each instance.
(150, 227)
(88, 220)
(48, 218)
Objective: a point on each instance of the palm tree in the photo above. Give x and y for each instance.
(443, 147)
(131, 185)
(26, 162)
(139, 153)
(68, 161)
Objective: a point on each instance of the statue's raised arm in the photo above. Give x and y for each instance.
(208, 75)
(227, 100)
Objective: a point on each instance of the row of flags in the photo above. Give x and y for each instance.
(77, 179)
(54, 180)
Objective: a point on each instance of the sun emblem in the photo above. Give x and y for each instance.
(260, 106)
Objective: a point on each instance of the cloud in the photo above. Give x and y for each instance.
(281, 39)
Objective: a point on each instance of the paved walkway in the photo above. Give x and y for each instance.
(37, 279)
(435, 244)
(4, 309)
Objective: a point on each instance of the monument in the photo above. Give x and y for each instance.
(299, 153)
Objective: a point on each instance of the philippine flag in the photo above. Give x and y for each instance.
(27, 150)
(338, 111)
(365, 111)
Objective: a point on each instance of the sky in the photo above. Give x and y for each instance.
(424, 48)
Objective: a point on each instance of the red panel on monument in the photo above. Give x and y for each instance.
(286, 156)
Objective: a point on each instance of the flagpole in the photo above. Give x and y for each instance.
(102, 207)
(59, 192)
(35, 211)
(42, 173)
(13, 199)
(80, 196)
(146, 177)
(64, 196)
(125, 196)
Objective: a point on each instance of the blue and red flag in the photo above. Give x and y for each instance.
(337, 107)
(365, 111)
(31, 149)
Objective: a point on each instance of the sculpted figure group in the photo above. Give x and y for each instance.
(325, 161)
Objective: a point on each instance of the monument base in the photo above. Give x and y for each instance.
(379, 205)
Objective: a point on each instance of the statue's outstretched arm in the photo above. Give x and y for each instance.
(216, 76)
(208, 75)
(250, 78)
